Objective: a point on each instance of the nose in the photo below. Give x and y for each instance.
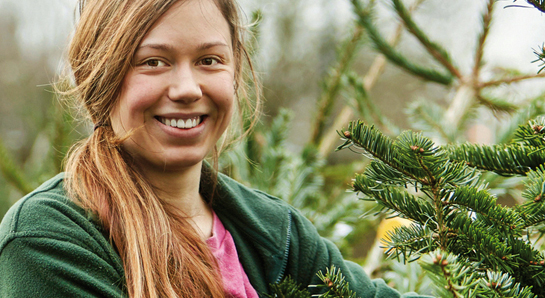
(184, 86)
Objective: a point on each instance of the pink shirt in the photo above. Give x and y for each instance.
(235, 280)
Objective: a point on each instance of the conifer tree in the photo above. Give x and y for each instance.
(474, 246)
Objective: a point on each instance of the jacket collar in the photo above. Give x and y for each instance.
(259, 225)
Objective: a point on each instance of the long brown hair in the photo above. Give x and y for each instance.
(163, 256)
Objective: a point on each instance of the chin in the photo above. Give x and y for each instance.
(180, 162)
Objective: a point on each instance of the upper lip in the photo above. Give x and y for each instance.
(181, 115)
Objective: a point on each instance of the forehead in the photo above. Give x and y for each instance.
(191, 21)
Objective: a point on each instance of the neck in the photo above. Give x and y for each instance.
(180, 189)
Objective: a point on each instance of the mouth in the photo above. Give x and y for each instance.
(181, 123)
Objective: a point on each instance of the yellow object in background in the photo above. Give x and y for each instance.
(376, 253)
(388, 225)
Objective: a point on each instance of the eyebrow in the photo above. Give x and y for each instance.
(170, 48)
(207, 45)
(157, 46)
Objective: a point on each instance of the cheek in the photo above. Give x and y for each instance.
(224, 91)
(134, 98)
(227, 105)
(138, 94)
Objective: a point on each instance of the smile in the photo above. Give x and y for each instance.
(181, 123)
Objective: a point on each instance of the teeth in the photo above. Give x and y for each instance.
(181, 123)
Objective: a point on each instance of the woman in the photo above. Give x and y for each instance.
(138, 212)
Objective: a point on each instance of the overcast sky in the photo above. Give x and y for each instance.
(45, 25)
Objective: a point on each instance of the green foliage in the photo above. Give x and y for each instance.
(47, 154)
(288, 288)
(453, 279)
(333, 283)
(409, 176)
(365, 17)
(450, 277)
(408, 277)
(264, 161)
(12, 173)
(440, 190)
(540, 58)
(337, 286)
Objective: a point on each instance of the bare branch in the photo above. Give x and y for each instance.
(509, 80)
(487, 19)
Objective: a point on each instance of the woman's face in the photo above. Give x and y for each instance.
(178, 97)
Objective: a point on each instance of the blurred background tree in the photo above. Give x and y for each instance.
(456, 70)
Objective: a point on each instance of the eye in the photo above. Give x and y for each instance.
(154, 63)
(209, 61)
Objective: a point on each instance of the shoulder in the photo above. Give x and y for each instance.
(50, 247)
(48, 213)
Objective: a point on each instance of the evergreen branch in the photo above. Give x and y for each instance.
(503, 285)
(536, 177)
(534, 108)
(288, 288)
(369, 139)
(527, 264)
(408, 240)
(274, 157)
(419, 153)
(453, 174)
(481, 202)
(433, 49)
(451, 279)
(496, 104)
(512, 159)
(365, 19)
(487, 19)
(336, 284)
(507, 254)
(394, 199)
(540, 58)
(12, 173)
(365, 105)
(478, 243)
(510, 80)
(333, 84)
(533, 211)
(410, 156)
(378, 171)
(532, 134)
(378, 146)
(279, 129)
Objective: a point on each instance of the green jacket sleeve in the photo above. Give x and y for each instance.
(49, 249)
(317, 254)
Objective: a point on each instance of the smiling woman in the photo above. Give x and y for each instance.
(138, 212)
(184, 77)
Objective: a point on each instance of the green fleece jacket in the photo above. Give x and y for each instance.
(50, 247)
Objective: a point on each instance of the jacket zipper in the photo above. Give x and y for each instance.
(286, 251)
